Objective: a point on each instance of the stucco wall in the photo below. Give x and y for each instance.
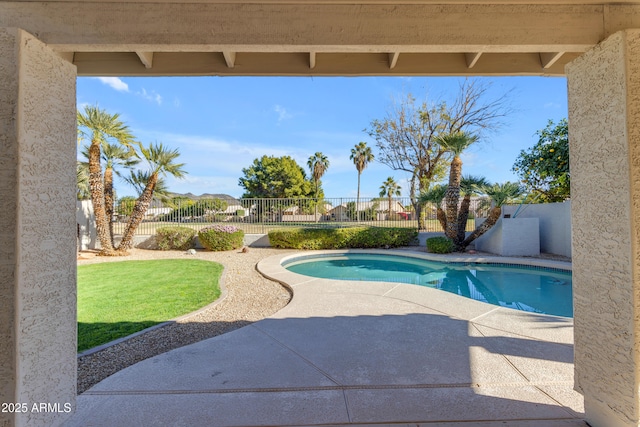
(8, 180)
(511, 237)
(604, 118)
(38, 276)
(555, 224)
(86, 220)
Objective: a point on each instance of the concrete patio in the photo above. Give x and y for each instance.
(356, 353)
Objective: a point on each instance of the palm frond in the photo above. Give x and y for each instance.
(456, 142)
(504, 193)
(471, 185)
(435, 195)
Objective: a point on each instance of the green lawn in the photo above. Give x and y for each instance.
(116, 299)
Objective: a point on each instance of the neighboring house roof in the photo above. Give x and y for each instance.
(231, 209)
(380, 206)
(158, 211)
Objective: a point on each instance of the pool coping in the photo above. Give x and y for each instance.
(272, 268)
(448, 258)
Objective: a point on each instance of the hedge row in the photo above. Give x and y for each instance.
(175, 238)
(213, 238)
(341, 238)
(221, 237)
(440, 245)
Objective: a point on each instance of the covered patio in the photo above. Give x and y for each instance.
(353, 353)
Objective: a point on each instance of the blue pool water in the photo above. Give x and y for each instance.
(524, 288)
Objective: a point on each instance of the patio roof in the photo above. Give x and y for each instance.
(327, 37)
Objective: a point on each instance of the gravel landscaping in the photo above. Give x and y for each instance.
(247, 297)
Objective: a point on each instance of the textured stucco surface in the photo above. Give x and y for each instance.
(604, 117)
(39, 114)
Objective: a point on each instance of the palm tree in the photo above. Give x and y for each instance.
(318, 165)
(388, 189)
(100, 127)
(435, 195)
(161, 162)
(138, 180)
(455, 143)
(82, 192)
(113, 155)
(500, 194)
(361, 156)
(469, 186)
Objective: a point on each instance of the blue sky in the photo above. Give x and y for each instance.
(220, 124)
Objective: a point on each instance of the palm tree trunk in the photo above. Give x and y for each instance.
(316, 208)
(417, 206)
(139, 209)
(389, 214)
(97, 199)
(463, 216)
(358, 199)
(494, 215)
(442, 217)
(452, 198)
(109, 203)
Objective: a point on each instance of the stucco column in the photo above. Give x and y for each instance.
(604, 135)
(37, 232)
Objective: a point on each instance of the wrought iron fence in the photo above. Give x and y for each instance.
(259, 216)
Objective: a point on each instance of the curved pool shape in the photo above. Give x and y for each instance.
(533, 289)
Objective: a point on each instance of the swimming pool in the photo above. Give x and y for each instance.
(526, 288)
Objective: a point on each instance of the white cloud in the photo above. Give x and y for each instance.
(283, 114)
(200, 184)
(115, 82)
(553, 105)
(212, 154)
(152, 96)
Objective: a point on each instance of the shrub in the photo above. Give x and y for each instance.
(178, 238)
(342, 238)
(221, 237)
(440, 245)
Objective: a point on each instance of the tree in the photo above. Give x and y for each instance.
(83, 192)
(318, 165)
(469, 186)
(390, 188)
(161, 162)
(435, 195)
(361, 213)
(407, 136)
(361, 156)
(210, 208)
(500, 194)
(100, 127)
(125, 205)
(113, 156)
(455, 143)
(138, 179)
(275, 177)
(544, 168)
